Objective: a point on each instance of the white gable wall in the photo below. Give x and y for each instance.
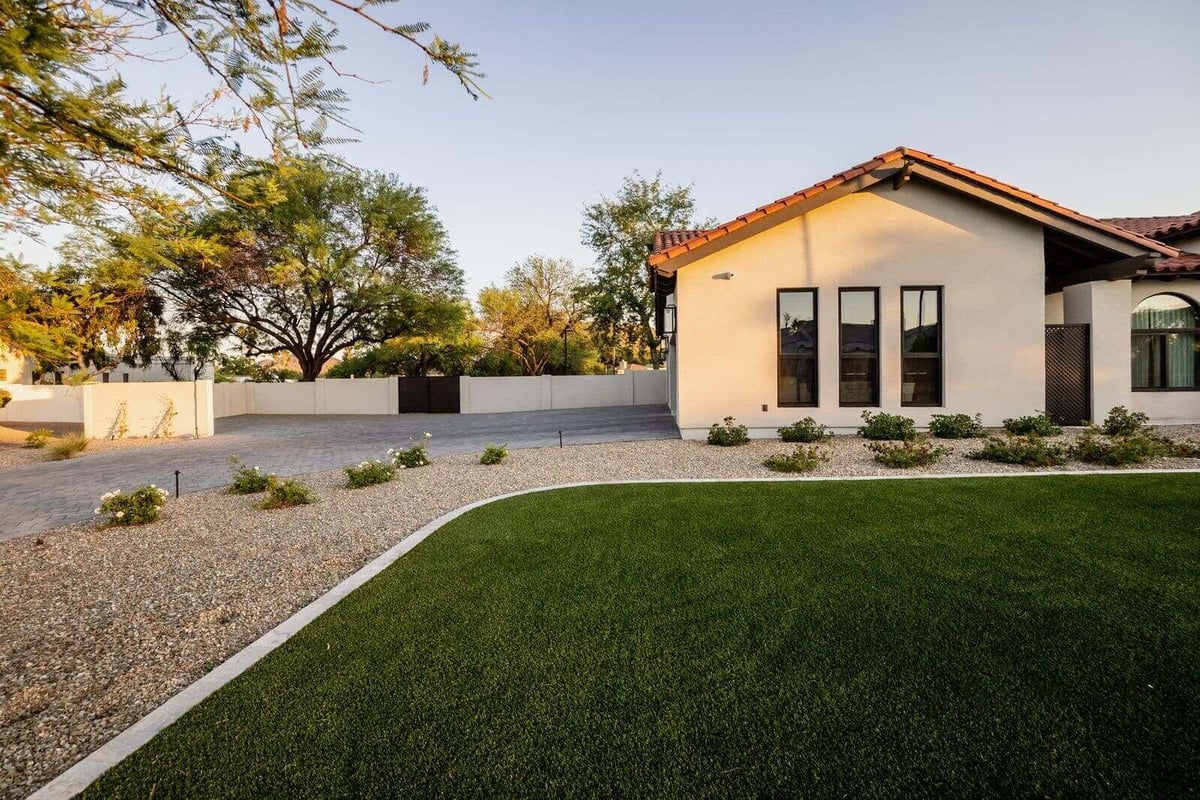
(990, 263)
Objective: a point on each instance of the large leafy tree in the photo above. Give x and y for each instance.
(74, 143)
(323, 258)
(620, 231)
(525, 318)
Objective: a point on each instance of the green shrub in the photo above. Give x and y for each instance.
(139, 507)
(1188, 449)
(1029, 451)
(899, 455)
(493, 454)
(414, 456)
(369, 473)
(806, 430)
(285, 494)
(38, 438)
(69, 447)
(1123, 422)
(957, 426)
(802, 459)
(5, 397)
(883, 426)
(728, 434)
(1033, 425)
(1135, 448)
(247, 480)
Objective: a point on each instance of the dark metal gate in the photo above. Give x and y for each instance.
(428, 395)
(1068, 374)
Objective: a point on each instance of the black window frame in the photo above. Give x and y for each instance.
(780, 356)
(940, 355)
(874, 290)
(1163, 333)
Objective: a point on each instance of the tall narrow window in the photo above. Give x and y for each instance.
(921, 346)
(1166, 344)
(797, 313)
(859, 368)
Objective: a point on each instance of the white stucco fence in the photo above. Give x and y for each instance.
(477, 395)
(548, 392)
(322, 396)
(108, 410)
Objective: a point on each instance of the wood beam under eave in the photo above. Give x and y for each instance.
(903, 176)
(1124, 269)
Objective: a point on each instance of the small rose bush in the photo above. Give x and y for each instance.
(1136, 447)
(957, 426)
(139, 507)
(493, 454)
(728, 434)
(1123, 422)
(1035, 424)
(887, 427)
(285, 494)
(414, 456)
(802, 459)
(247, 480)
(901, 455)
(1028, 451)
(805, 431)
(369, 473)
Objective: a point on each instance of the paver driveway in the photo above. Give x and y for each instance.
(40, 496)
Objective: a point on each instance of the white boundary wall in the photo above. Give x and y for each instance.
(44, 404)
(478, 395)
(149, 409)
(322, 396)
(547, 392)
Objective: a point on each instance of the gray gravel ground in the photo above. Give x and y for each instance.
(19, 455)
(101, 626)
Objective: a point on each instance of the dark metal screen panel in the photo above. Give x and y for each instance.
(1068, 374)
(428, 395)
(414, 395)
(443, 395)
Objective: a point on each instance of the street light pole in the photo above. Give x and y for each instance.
(566, 329)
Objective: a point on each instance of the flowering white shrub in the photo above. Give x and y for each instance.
(136, 508)
(369, 473)
(414, 456)
(247, 480)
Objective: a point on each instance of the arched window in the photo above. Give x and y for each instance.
(1166, 329)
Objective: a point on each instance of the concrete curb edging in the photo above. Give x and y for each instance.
(78, 777)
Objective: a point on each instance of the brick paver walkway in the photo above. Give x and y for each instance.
(37, 497)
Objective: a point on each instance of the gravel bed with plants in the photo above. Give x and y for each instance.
(102, 624)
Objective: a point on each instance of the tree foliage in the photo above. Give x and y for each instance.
(525, 318)
(73, 142)
(323, 259)
(620, 231)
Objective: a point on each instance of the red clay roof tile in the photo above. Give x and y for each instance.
(1158, 227)
(676, 243)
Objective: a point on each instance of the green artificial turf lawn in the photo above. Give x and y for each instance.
(1003, 637)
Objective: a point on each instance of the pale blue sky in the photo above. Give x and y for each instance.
(1092, 104)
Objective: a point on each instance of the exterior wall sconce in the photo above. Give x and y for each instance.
(723, 276)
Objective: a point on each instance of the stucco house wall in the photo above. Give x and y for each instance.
(990, 263)
(1166, 407)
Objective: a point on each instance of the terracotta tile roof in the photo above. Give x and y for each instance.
(1184, 262)
(665, 240)
(1159, 227)
(897, 157)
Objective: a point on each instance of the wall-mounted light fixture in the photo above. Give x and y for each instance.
(668, 323)
(723, 276)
